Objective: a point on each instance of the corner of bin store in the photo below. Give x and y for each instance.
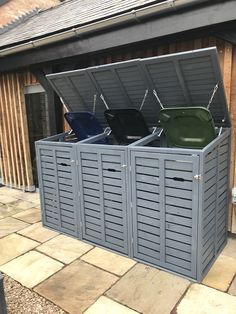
(144, 171)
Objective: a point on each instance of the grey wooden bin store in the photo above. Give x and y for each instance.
(160, 205)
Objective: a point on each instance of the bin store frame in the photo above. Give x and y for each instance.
(162, 206)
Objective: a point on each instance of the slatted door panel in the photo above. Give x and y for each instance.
(209, 207)
(215, 200)
(57, 180)
(164, 210)
(103, 181)
(222, 193)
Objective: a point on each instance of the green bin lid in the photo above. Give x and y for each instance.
(188, 127)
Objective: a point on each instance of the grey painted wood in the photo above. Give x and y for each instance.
(181, 79)
(103, 183)
(141, 210)
(163, 206)
(57, 178)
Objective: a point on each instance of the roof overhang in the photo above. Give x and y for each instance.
(204, 16)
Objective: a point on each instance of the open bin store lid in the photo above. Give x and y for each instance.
(184, 79)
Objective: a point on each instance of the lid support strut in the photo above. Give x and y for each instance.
(104, 101)
(158, 99)
(144, 98)
(213, 95)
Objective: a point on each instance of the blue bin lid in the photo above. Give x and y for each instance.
(184, 79)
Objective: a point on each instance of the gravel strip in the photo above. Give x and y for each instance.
(21, 300)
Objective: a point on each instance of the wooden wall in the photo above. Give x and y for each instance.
(15, 162)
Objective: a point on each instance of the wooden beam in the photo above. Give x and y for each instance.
(24, 134)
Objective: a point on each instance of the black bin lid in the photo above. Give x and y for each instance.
(184, 79)
(127, 125)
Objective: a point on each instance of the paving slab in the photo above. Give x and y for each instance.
(200, 299)
(38, 232)
(105, 305)
(230, 249)
(221, 274)
(7, 199)
(232, 288)
(14, 245)
(7, 210)
(30, 197)
(31, 215)
(31, 268)
(64, 248)
(148, 290)
(76, 287)
(16, 193)
(9, 225)
(109, 261)
(24, 204)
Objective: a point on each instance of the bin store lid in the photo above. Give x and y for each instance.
(183, 79)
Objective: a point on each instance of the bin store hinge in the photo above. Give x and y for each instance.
(198, 177)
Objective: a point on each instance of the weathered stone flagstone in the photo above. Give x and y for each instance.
(9, 225)
(24, 204)
(105, 305)
(109, 261)
(7, 210)
(204, 300)
(31, 268)
(221, 273)
(31, 215)
(232, 289)
(64, 248)
(38, 232)
(76, 287)
(14, 245)
(30, 197)
(5, 199)
(230, 249)
(17, 194)
(148, 290)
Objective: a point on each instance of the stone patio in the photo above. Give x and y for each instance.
(80, 278)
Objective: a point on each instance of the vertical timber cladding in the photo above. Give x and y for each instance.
(165, 209)
(103, 193)
(58, 187)
(15, 163)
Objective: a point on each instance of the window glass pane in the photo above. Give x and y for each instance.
(38, 123)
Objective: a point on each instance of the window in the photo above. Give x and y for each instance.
(38, 120)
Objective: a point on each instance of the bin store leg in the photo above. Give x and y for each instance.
(3, 306)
